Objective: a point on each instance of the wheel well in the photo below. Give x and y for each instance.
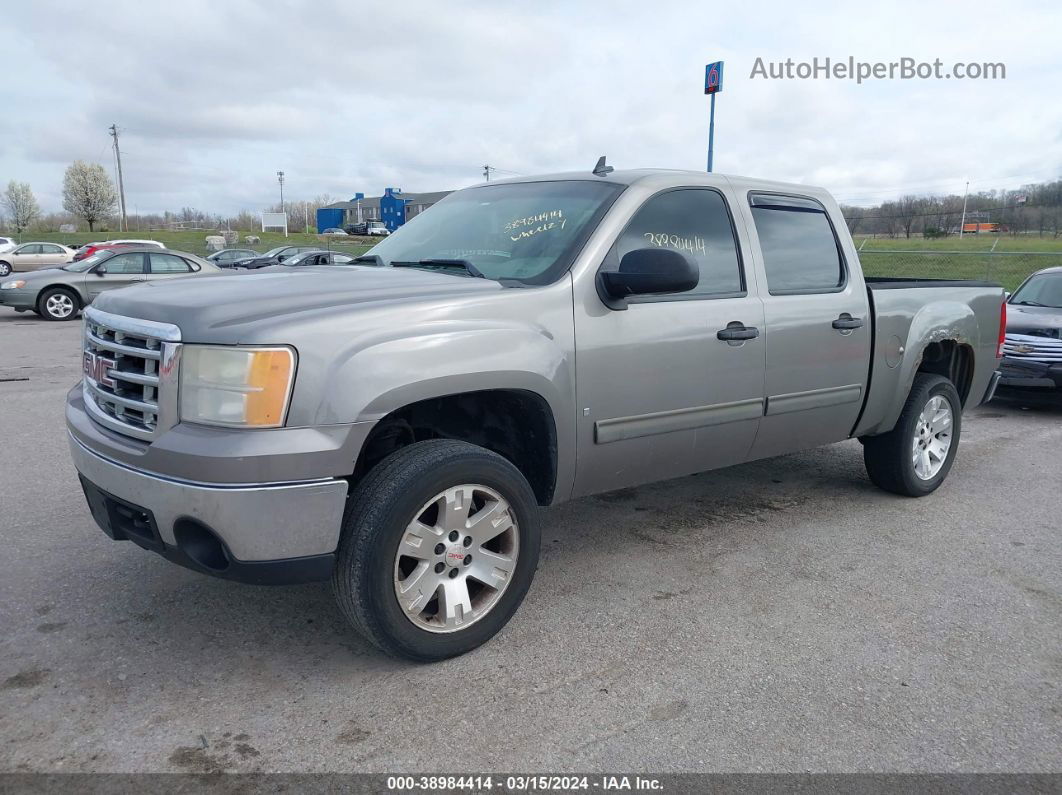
(516, 424)
(63, 287)
(951, 360)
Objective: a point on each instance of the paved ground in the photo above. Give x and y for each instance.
(783, 615)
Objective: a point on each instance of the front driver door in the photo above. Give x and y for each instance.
(121, 270)
(25, 258)
(659, 393)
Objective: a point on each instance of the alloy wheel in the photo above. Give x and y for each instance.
(59, 306)
(456, 558)
(932, 438)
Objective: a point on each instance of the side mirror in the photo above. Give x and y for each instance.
(101, 270)
(647, 271)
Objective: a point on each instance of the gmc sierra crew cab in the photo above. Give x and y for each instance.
(395, 424)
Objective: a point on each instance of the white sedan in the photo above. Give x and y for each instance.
(34, 256)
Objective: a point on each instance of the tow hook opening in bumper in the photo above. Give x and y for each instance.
(202, 545)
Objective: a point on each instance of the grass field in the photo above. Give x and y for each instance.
(194, 241)
(971, 257)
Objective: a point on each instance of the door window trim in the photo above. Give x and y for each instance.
(686, 296)
(817, 208)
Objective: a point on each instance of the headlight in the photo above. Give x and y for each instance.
(243, 387)
(17, 284)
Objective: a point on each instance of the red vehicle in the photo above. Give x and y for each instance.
(90, 249)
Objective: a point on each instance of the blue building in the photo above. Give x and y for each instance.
(394, 208)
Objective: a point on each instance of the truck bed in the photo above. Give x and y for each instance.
(910, 313)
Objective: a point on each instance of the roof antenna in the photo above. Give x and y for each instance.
(601, 169)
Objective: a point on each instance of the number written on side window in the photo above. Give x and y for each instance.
(800, 251)
(694, 222)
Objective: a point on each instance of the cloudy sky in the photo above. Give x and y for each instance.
(212, 98)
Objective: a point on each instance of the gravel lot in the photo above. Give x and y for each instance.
(783, 615)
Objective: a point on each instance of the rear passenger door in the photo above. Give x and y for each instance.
(121, 270)
(167, 266)
(818, 329)
(660, 393)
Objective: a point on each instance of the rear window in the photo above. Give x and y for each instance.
(800, 249)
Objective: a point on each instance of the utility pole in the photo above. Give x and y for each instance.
(280, 179)
(121, 184)
(962, 223)
(486, 172)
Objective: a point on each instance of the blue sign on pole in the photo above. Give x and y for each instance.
(713, 77)
(713, 84)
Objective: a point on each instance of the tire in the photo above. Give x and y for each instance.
(903, 461)
(415, 483)
(58, 303)
(5, 269)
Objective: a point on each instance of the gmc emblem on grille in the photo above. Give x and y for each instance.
(96, 368)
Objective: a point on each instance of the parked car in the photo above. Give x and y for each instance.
(227, 256)
(6, 244)
(334, 231)
(59, 293)
(33, 256)
(526, 342)
(320, 257)
(272, 257)
(1032, 350)
(369, 229)
(89, 249)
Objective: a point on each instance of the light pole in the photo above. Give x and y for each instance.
(280, 179)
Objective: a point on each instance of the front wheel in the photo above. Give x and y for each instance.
(5, 268)
(914, 457)
(58, 303)
(439, 546)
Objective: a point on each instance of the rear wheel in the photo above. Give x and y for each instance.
(914, 457)
(440, 543)
(58, 303)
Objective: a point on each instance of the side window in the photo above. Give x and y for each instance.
(168, 263)
(342, 259)
(694, 222)
(32, 248)
(50, 249)
(800, 249)
(125, 263)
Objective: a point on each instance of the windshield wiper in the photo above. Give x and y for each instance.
(1030, 303)
(434, 262)
(375, 259)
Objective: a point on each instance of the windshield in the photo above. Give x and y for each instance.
(527, 232)
(85, 264)
(274, 251)
(1043, 289)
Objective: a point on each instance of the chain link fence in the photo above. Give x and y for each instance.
(1009, 268)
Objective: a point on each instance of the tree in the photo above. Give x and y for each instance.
(88, 192)
(20, 204)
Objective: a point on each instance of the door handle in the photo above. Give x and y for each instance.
(846, 322)
(737, 332)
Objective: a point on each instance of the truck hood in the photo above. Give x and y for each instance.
(1035, 320)
(227, 305)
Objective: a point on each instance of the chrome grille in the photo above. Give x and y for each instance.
(130, 373)
(1032, 348)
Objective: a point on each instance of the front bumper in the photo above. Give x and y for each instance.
(265, 533)
(19, 299)
(1027, 374)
